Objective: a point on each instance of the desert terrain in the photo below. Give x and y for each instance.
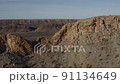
(99, 35)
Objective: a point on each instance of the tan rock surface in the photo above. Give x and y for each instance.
(91, 30)
(100, 37)
(16, 44)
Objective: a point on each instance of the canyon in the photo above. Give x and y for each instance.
(100, 37)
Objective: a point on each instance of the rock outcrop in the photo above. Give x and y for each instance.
(18, 44)
(100, 37)
(91, 30)
(43, 40)
(12, 43)
(59, 36)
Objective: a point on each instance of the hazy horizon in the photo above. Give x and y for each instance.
(57, 9)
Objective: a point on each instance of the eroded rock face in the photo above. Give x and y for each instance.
(100, 37)
(91, 30)
(16, 44)
(58, 37)
(43, 40)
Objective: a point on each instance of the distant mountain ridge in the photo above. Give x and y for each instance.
(32, 25)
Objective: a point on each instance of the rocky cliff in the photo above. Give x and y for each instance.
(11, 43)
(91, 30)
(100, 37)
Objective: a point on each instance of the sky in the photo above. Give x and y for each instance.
(57, 9)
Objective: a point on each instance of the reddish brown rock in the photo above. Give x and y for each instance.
(32, 25)
(59, 36)
(100, 37)
(42, 40)
(91, 30)
(12, 43)
(18, 44)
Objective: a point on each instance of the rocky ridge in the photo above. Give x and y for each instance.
(91, 30)
(9, 26)
(12, 43)
(100, 37)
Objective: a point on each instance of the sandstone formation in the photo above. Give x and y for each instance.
(43, 40)
(100, 37)
(16, 44)
(91, 30)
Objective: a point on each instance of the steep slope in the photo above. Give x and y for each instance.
(13, 51)
(11, 43)
(100, 37)
(91, 30)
